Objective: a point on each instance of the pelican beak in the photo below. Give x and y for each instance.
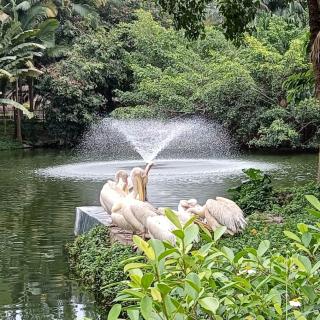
(125, 186)
(141, 189)
(148, 167)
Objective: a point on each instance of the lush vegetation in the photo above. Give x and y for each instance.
(126, 60)
(95, 262)
(142, 69)
(270, 213)
(181, 282)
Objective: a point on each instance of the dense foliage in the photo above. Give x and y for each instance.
(255, 193)
(124, 58)
(261, 91)
(181, 282)
(97, 266)
(95, 262)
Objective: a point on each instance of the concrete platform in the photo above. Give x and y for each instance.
(89, 217)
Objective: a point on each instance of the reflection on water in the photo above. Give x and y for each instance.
(37, 216)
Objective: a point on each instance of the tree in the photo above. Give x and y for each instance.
(17, 50)
(189, 15)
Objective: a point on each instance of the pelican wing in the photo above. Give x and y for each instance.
(142, 210)
(159, 227)
(110, 194)
(225, 215)
(230, 203)
(119, 220)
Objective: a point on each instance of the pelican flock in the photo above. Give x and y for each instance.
(125, 199)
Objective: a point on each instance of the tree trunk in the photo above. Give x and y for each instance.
(318, 176)
(4, 120)
(31, 98)
(314, 25)
(18, 115)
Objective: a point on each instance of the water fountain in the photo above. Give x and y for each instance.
(192, 158)
(194, 149)
(151, 139)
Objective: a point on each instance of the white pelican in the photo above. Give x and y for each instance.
(131, 212)
(140, 177)
(160, 227)
(184, 205)
(224, 212)
(113, 191)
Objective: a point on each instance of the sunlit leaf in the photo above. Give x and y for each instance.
(136, 265)
(173, 218)
(209, 303)
(114, 312)
(314, 201)
(219, 232)
(263, 247)
(292, 236)
(146, 307)
(156, 295)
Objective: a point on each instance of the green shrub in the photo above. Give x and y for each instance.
(95, 262)
(216, 282)
(278, 134)
(137, 112)
(255, 193)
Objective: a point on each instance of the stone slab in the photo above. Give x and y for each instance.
(88, 217)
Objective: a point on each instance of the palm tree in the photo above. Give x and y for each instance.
(17, 51)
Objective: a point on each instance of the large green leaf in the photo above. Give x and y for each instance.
(173, 218)
(314, 201)
(263, 247)
(17, 105)
(209, 303)
(146, 307)
(114, 312)
(292, 236)
(147, 280)
(219, 232)
(133, 314)
(47, 31)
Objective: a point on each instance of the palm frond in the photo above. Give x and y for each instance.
(25, 46)
(24, 5)
(82, 9)
(46, 31)
(17, 105)
(21, 37)
(5, 74)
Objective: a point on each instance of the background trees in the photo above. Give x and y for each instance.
(108, 58)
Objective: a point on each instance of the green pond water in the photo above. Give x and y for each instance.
(37, 208)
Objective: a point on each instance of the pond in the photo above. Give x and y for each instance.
(39, 190)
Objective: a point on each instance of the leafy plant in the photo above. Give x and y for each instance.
(95, 261)
(255, 193)
(180, 282)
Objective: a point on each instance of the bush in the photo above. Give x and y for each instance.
(278, 134)
(137, 112)
(255, 193)
(214, 281)
(95, 262)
